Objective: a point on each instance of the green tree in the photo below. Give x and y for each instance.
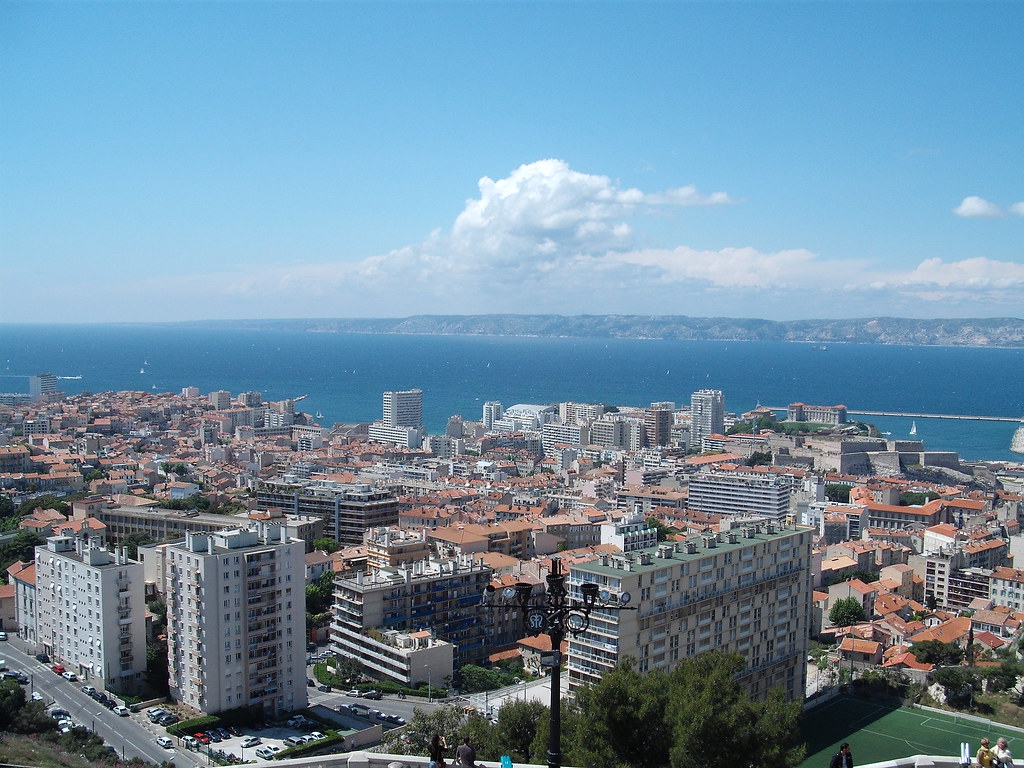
(846, 611)
(759, 458)
(157, 674)
(678, 719)
(21, 546)
(937, 652)
(473, 679)
(959, 683)
(916, 499)
(516, 729)
(326, 544)
(664, 531)
(133, 541)
(838, 493)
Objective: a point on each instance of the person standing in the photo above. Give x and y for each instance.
(436, 751)
(466, 755)
(843, 758)
(985, 755)
(1002, 753)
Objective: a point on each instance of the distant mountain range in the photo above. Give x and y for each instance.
(976, 332)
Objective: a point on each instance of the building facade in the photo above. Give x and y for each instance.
(347, 509)
(438, 595)
(707, 414)
(740, 493)
(91, 612)
(236, 620)
(745, 590)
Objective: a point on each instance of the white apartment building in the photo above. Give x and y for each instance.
(707, 414)
(236, 618)
(740, 493)
(91, 612)
(553, 435)
(630, 534)
(403, 408)
(492, 412)
(407, 437)
(745, 590)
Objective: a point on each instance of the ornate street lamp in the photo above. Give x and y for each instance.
(554, 613)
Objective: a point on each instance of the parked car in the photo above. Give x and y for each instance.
(165, 742)
(122, 711)
(43, 658)
(167, 719)
(265, 752)
(376, 695)
(88, 689)
(58, 668)
(310, 682)
(70, 676)
(156, 713)
(20, 677)
(354, 693)
(251, 741)
(202, 738)
(190, 742)
(293, 741)
(3, 635)
(37, 696)
(317, 735)
(59, 714)
(325, 688)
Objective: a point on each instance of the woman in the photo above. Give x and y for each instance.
(436, 751)
(1002, 752)
(985, 755)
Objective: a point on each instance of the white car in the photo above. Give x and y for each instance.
(37, 696)
(121, 711)
(165, 742)
(317, 735)
(251, 741)
(267, 752)
(70, 676)
(190, 742)
(3, 635)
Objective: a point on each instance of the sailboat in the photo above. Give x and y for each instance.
(913, 429)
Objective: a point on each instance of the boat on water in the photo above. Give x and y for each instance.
(913, 429)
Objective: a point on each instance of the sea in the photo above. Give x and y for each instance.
(342, 376)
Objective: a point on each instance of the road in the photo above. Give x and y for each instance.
(132, 736)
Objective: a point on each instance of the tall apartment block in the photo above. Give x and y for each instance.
(438, 595)
(707, 410)
(43, 386)
(347, 510)
(91, 612)
(492, 412)
(740, 493)
(403, 408)
(746, 590)
(220, 399)
(236, 619)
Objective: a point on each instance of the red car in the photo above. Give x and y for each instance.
(58, 668)
(202, 738)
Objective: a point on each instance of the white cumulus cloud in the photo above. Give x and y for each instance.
(974, 207)
(1017, 208)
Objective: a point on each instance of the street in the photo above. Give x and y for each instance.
(132, 736)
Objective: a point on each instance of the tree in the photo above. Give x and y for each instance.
(759, 458)
(846, 611)
(326, 544)
(473, 679)
(664, 531)
(838, 493)
(133, 541)
(516, 729)
(157, 673)
(937, 652)
(678, 719)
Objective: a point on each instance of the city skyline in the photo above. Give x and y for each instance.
(206, 161)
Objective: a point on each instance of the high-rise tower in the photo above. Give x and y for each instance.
(707, 409)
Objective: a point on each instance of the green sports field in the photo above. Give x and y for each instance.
(878, 733)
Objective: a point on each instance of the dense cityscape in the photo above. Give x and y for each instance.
(763, 534)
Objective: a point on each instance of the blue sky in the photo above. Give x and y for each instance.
(164, 161)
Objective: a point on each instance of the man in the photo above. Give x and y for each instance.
(466, 755)
(842, 758)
